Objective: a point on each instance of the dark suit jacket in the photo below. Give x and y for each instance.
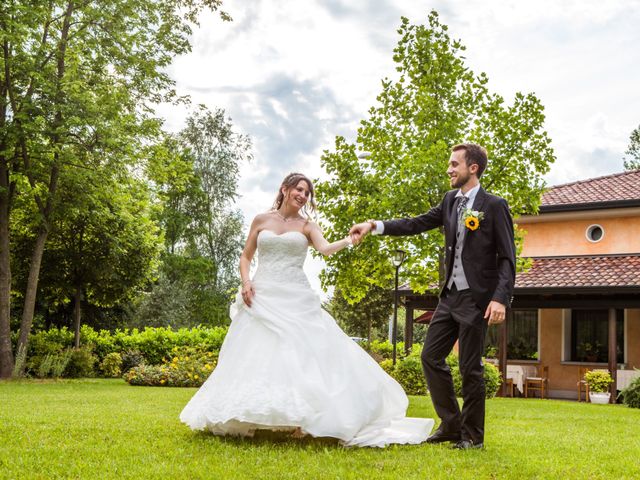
(488, 256)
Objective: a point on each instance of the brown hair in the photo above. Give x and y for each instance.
(473, 154)
(289, 182)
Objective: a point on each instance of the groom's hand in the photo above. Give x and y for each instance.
(495, 312)
(359, 231)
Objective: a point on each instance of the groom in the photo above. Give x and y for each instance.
(480, 274)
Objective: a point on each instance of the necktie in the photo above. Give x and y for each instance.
(462, 204)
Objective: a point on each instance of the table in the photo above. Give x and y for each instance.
(624, 377)
(519, 372)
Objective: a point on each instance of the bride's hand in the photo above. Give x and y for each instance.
(248, 292)
(359, 231)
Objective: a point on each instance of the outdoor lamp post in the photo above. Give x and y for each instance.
(398, 258)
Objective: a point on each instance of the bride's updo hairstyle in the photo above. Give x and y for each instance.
(289, 182)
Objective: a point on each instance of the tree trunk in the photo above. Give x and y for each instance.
(77, 314)
(6, 355)
(32, 289)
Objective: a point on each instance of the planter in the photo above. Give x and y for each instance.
(601, 398)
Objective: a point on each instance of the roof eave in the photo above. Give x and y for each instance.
(575, 207)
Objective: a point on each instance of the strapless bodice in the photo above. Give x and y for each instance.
(281, 257)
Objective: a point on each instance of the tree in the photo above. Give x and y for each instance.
(103, 249)
(436, 102)
(197, 179)
(633, 151)
(78, 80)
(362, 318)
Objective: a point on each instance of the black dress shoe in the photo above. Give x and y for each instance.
(468, 445)
(440, 437)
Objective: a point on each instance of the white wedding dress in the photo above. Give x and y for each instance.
(285, 363)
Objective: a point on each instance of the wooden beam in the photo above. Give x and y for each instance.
(613, 353)
(502, 350)
(408, 329)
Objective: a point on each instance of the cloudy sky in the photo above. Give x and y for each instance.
(294, 74)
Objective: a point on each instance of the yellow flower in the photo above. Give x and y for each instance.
(472, 223)
(196, 377)
(175, 359)
(162, 381)
(186, 358)
(207, 366)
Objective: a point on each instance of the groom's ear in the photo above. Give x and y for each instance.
(473, 168)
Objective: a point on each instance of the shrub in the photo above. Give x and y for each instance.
(492, 379)
(54, 365)
(130, 359)
(81, 363)
(44, 368)
(598, 380)
(385, 349)
(409, 374)
(408, 371)
(111, 366)
(188, 367)
(631, 394)
(149, 345)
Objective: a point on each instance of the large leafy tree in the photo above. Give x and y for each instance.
(198, 183)
(633, 161)
(435, 102)
(78, 79)
(103, 249)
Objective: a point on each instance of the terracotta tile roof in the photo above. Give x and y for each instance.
(582, 271)
(611, 188)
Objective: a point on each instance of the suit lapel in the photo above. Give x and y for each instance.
(453, 219)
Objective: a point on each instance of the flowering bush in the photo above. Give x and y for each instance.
(187, 367)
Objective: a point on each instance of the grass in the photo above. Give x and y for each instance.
(97, 428)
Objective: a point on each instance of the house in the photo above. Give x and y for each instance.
(578, 305)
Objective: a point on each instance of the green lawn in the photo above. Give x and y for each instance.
(108, 429)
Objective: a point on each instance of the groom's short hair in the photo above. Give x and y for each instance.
(473, 154)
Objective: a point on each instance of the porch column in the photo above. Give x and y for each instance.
(502, 351)
(613, 353)
(408, 328)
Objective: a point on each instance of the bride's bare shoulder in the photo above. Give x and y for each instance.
(262, 218)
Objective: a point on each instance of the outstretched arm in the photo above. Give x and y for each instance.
(321, 244)
(404, 226)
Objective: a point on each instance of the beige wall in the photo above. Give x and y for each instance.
(568, 237)
(563, 377)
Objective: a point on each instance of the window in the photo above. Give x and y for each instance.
(590, 335)
(595, 233)
(522, 342)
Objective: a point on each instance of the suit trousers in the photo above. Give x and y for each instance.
(457, 317)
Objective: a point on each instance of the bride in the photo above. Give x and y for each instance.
(285, 364)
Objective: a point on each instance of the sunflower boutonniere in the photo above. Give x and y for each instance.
(472, 218)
